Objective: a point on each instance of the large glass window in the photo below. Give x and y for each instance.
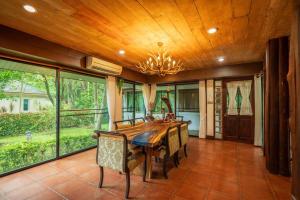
(83, 109)
(160, 106)
(27, 115)
(28, 118)
(188, 105)
(140, 110)
(127, 101)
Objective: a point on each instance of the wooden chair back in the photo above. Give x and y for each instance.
(123, 124)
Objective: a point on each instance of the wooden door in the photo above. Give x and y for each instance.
(238, 125)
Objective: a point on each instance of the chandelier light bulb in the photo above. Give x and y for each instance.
(160, 63)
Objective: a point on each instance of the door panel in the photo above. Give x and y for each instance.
(235, 126)
(245, 129)
(231, 127)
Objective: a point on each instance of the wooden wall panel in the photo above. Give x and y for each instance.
(276, 113)
(239, 70)
(273, 134)
(294, 92)
(283, 107)
(28, 47)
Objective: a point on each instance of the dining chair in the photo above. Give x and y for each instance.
(183, 137)
(168, 149)
(112, 153)
(138, 121)
(123, 124)
(179, 118)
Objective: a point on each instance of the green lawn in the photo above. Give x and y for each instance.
(47, 135)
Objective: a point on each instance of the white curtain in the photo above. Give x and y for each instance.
(152, 97)
(111, 100)
(232, 90)
(210, 108)
(149, 94)
(258, 128)
(245, 88)
(146, 96)
(202, 109)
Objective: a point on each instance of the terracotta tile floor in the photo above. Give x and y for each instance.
(213, 170)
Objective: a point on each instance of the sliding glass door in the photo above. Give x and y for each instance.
(83, 109)
(127, 100)
(30, 125)
(27, 115)
(187, 105)
(140, 110)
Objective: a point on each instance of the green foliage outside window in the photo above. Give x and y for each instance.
(160, 105)
(82, 110)
(19, 155)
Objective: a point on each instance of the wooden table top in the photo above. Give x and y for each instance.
(148, 134)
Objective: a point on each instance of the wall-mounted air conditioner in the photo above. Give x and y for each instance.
(103, 66)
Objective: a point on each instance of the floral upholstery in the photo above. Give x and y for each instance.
(184, 134)
(111, 152)
(173, 140)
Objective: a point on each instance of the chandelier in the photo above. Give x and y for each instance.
(160, 63)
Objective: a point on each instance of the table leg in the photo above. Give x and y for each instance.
(149, 152)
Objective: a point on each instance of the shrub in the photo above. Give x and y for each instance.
(14, 156)
(18, 124)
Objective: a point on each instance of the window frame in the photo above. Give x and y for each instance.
(58, 70)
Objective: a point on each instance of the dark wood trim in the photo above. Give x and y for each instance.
(210, 137)
(214, 120)
(294, 91)
(276, 106)
(205, 108)
(57, 113)
(284, 168)
(20, 46)
(228, 71)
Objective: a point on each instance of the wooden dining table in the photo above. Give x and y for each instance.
(148, 135)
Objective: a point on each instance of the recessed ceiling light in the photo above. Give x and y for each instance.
(29, 8)
(212, 30)
(221, 59)
(121, 52)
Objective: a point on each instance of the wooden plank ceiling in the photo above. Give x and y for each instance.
(101, 28)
